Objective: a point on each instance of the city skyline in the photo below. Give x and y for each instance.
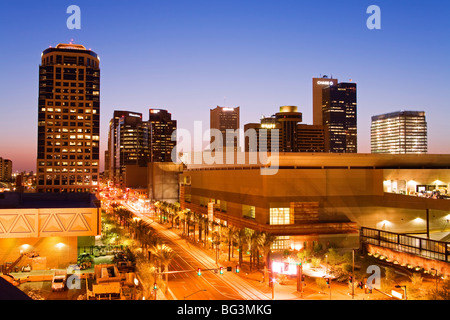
(230, 55)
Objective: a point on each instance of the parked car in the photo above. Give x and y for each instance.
(59, 280)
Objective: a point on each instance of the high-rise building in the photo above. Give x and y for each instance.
(293, 136)
(127, 143)
(131, 143)
(5, 169)
(317, 88)
(400, 132)
(161, 127)
(339, 117)
(223, 119)
(68, 120)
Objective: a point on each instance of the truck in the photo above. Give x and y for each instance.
(59, 280)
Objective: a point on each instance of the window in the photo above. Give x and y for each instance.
(280, 216)
(248, 211)
(281, 243)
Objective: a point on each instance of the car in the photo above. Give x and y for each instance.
(59, 280)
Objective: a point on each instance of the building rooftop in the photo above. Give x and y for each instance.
(17, 200)
(318, 160)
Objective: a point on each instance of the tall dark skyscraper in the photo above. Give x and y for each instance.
(161, 126)
(128, 143)
(133, 141)
(317, 89)
(339, 117)
(68, 120)
(223, 119)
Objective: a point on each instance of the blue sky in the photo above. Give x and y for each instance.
(190, 56)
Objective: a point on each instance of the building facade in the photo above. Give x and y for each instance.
(291, 135)
(51, 227)
(324, 197)
(223, 119)
(68, 120)
(161, 126)
(5, 170)
(317, 89)
(339, 117)
(399, 132)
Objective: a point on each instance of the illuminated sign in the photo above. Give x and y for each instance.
(326, 83)
(228, 109)
(134, 115)
(397, 294)
(154, 111)
(284, 268)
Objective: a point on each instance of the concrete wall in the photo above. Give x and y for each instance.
(163, 181)
(54, 252)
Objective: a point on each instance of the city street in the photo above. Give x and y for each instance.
(228, 286)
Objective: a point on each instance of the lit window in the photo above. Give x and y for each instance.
(280, 216)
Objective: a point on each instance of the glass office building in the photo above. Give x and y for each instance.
(401, 132)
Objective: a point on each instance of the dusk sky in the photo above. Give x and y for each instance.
(191, 56)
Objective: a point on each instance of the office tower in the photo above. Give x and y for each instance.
(293, 136)
(288, 118)
(113, 163)
(310, 138)
(400, 132)
(131, 146)
(339, 117)
(5, 170)
(69, 120)
(317, 87)
(160, 128)
(223, 119)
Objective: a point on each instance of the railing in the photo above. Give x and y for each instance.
(432, 249)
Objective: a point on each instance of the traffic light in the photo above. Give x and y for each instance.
(360, 285)
(155, 286)
(350, 279)
(221, 270)
(199, 272)
(328, 281)
(303, 277)
(237, 269)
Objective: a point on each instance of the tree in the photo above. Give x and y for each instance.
(164, 255)
(240, 240)
(265, 242)
(229, 236)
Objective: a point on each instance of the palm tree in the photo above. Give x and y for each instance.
(249, 240)
(265, 242)
(230, 235)
(196, 219)
(188, 217)
(165, 255)
(240, 240)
